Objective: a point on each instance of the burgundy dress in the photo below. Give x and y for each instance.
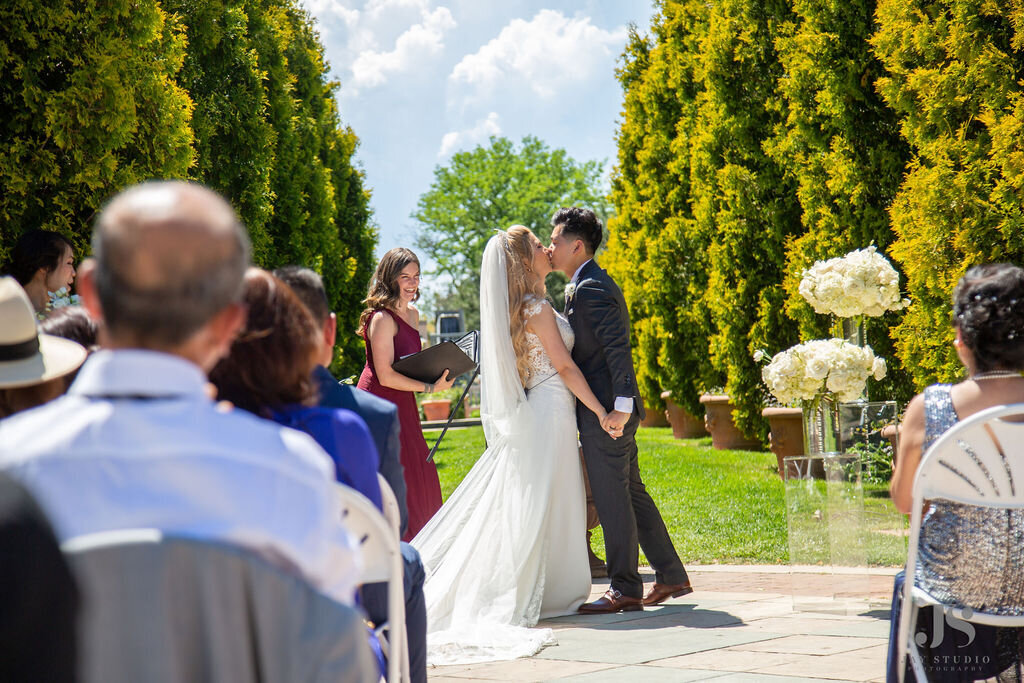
(423, 489)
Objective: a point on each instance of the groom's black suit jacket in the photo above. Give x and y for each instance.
(599, 317)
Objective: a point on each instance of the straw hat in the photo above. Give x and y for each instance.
(27, 356)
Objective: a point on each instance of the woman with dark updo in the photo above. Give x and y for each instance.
(42, 262)
(988, 319)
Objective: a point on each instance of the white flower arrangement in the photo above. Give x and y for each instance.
(861, 283)
(808, 371)
(570, 289)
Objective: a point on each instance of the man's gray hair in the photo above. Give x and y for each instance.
(170, 255)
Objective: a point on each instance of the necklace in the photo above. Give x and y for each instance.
(996, 374)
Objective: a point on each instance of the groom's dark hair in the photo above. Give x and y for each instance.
(581, 224)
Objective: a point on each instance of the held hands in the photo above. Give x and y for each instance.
(614, 422)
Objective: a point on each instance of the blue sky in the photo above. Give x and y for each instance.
(423, 79)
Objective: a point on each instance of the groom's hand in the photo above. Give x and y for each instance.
(615, 422)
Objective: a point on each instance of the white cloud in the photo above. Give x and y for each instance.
(375, 8)
(548, 52)
(483, 130)
(371, 68)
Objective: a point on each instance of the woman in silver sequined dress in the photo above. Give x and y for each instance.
(988, 319)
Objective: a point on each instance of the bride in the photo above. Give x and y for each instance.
(508, 548)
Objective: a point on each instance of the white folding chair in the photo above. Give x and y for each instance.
(979, 462)
(390, 501)
(382, 561)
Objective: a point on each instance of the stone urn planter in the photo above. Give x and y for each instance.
(684, 424)
(718, 421)
(436, 409)
(787, 433)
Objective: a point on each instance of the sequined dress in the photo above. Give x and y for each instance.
(956, 540)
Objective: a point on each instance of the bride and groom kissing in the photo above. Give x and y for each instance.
(508, 547)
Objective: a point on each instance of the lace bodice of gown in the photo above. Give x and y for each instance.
(540, 363)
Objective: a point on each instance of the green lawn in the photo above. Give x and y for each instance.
(720, 506)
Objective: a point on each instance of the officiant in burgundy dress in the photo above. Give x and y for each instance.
(389, 326)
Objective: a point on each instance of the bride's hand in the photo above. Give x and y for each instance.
(612, 430)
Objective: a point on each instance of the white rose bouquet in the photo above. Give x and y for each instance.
(861, 283)
(808, 371)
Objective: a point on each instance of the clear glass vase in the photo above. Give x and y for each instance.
(852, 330)
(821, 426)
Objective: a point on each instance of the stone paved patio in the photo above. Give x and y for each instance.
(738, 625)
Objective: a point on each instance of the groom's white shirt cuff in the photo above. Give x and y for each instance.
(623, 404)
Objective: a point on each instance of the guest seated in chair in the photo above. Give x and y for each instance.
(269, 372)
(137, 442)
(381, 416)
(34, 366)
(988, 321)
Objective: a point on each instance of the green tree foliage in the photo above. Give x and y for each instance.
(90, 105)
(841, 145)
(953, 77)
(270, 138)
(496, 187)
(232, 93)
(654, 250)
(744, 203)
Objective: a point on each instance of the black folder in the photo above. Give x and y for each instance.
(429, 364)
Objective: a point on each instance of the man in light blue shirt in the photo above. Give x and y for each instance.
(137, 441)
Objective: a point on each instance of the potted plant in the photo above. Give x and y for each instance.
(685, 425)
(436, 408)
(718, 421)
(787, 433)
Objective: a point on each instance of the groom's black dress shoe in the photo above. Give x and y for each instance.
(612, 601)
(660, 592)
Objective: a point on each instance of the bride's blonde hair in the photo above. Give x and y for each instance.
(521, 282)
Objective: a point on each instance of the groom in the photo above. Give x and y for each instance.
(598, 315)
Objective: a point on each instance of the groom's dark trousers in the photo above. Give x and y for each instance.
(629, 517)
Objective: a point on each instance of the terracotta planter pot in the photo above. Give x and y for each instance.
(718, 421)
(655, 418)
(436, 408)
(787, 435)
(684, 424)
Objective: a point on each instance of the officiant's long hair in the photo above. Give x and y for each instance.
(383, 292)
(521, 282)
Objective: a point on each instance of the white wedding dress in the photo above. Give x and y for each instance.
(509, 545)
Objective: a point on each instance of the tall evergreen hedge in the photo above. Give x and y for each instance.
(90, 104)
(841, 145)
(744, 203)
(758, 137)
(652, 247)
(232, 93)
(954, 78)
